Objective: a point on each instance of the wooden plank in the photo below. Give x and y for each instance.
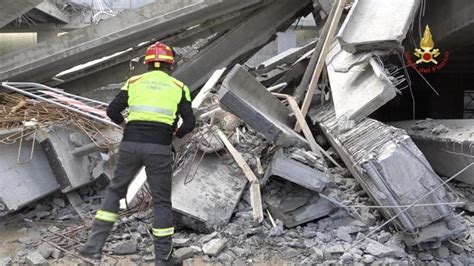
(76, 202)
(211, 82)
(255, 195)
(304, 126)
(321, 61)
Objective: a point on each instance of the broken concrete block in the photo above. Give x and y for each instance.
(343, 233)
(205, 193)
(379, 250)
(389, 23)
(317, 208)
(71, 171)
(180, 242)
(284, 166)
(359, 84)
(378, 150)
(240, 41)
(56, 254)
(335, 249)
(35, 258)
(243, 96)
(23, 183)
(156, 20)
(449, 150)
(184, 253)
(125, 247)
(4, 261)
(45, 250)
(214, 247)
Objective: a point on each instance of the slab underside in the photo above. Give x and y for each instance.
(207, 191)
(297, 172)
(21, 184)
(359, 85)
(377, 25)
(448, 151)
(243, 95)
(394, 172)
(12, 9)
(71, 171)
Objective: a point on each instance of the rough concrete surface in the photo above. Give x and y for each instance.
(207, 190)
(377, 25)
(153, 21)
(359, 84)
(242, 95)
(12, 9)
(374, 152)
(446, 144)
(70, 171)
(284, 166)
(16, 178)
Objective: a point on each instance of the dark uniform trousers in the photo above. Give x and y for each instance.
(157, 160)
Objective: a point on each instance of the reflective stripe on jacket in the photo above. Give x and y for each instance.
(154, 96)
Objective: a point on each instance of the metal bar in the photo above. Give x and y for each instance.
(55, 90)
(97, 118)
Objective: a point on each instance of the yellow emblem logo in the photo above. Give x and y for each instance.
(427, 53)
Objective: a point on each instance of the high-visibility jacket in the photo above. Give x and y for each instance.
(154, 96)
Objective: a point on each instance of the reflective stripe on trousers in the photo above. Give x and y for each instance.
(161, 232)
(106, 216)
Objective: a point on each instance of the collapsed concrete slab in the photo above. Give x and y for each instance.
(12, 9)
(359, 84)
(24, 182)
(154, 21)
(447, 144)
(287, 57)
(205, 193)
(71, 171)
(377, 25)
(394, 172)
(283, 165)
(243, 95)
(295, 214)
(240, 42)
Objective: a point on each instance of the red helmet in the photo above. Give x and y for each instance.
(159, 52)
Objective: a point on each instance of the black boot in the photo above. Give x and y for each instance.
(93, 247)
(163, 250)
(172, 261)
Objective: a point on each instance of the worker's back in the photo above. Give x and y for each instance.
(154, 97)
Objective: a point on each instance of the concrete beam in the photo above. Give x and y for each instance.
(447, 144)
(243, 96)
(117, 68)
(235, 46)
(12, 9)
(206, 192)
(71, 171)
(373, 152)
(293, 215)
(282, 165)
(23, 183)
(359, 84)
(49, 8)
(154, 21)
(389, 23)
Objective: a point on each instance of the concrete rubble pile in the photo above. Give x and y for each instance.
(44, 144)
(248, 186)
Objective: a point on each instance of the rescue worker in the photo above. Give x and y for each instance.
(155, 101)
